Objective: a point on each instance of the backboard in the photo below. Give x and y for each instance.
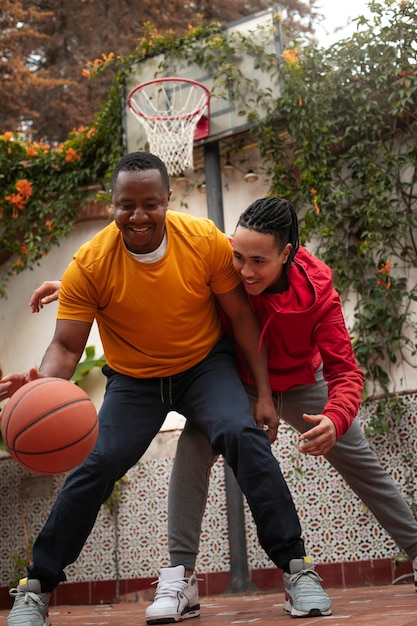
(228, 114)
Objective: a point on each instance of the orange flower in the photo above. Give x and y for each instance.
(17, 264)
(108, 57)
(406, 72)
(71, 155)
(48, 224)
(8, 136)
(24, 187)
(316, 206)
(17, 200)
(291, 56)
(385, 268)
(20, 199)
(381, 283)
(31, 151)
(44, 146)
(24, 249)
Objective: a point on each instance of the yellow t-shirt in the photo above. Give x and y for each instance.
(155, 319)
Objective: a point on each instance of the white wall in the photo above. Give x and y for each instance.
(23, 335)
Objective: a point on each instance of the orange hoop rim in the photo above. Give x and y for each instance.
(168, 79)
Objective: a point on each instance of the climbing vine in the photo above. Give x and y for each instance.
(342, 144)
(42, 186)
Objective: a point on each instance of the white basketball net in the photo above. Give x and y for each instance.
(169, 110)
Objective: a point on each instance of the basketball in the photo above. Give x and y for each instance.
(49, 425)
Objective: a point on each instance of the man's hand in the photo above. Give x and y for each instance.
(11, 383)
(266, 416)
(46, 293)
(319, 439)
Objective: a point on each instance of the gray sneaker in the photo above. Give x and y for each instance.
(30, 606)
(304, 595)
(415, 572)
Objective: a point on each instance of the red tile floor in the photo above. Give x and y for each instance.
(388, 605)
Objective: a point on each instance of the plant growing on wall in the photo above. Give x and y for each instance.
(41, 191)
(342, 145)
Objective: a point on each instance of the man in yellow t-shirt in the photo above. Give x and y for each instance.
(152, 280)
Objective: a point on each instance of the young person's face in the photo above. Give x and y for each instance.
(259, 262)
(140, 202)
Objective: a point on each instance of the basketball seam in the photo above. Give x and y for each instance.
(42, 417)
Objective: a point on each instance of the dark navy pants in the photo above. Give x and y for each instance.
(212, 396)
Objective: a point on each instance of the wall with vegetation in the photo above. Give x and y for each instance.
(341, 144)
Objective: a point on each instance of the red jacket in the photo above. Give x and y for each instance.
(304, 327)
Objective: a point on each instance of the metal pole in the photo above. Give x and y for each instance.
(214, 184)
(239, 570)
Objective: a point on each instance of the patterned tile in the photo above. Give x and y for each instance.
(339, 526)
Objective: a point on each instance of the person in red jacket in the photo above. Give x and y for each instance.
(316, 385)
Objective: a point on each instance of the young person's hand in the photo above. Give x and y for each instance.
(46, 293)
(11, 383)
(320, 438)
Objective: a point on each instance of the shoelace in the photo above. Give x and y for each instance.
(24, 597)
(310, 577)
(170, 588)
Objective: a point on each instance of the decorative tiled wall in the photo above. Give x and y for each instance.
(338, 526)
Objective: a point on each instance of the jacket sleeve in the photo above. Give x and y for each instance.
(340, 369)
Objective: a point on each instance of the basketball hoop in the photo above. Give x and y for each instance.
(174, 112)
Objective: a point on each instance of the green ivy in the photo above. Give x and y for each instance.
(342, 145)
(51, 180)
(87, 364)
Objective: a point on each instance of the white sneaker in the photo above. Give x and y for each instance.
(176, 597)
(415, 572)
(304, 595)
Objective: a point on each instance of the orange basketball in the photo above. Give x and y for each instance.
(49, 425)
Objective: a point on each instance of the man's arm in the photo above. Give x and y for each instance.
(246, 331)
(60, 359)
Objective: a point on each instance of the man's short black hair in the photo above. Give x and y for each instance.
(139, 162)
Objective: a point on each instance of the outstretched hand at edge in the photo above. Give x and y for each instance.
(11, 383)
(46, 293)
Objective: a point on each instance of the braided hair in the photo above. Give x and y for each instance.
(273, 216)
(139, 162)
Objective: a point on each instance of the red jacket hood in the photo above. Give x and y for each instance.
(288, 321)
(304, 327)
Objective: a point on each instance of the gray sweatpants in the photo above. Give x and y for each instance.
(351, 456)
